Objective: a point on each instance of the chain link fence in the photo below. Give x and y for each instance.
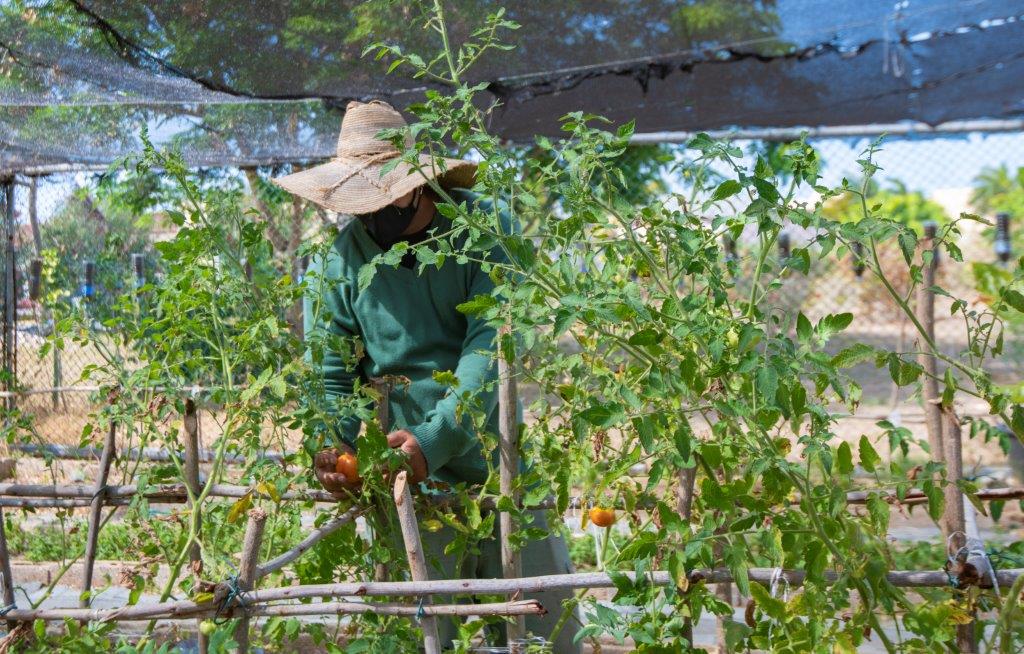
(73, 247)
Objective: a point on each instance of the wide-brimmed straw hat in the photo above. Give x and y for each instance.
(351, 182)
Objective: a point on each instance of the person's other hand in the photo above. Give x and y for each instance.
(325, 466)
(405, 442)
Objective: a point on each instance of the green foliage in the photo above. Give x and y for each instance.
(666, 347)
(896, 203)
(998, 190)
(626, 316)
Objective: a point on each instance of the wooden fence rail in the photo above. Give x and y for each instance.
(252, 600)
(71, 495)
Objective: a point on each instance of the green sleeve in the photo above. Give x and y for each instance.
(442, 436)
(326, 314)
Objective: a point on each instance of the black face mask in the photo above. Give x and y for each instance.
(386, 225)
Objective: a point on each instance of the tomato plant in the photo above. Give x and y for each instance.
(647, 345)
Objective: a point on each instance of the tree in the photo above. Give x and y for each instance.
(998, 190)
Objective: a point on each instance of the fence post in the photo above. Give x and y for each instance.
(195, 555)
(930, 385)
(95, 510)
(414, 552)
(10, 301)
(89, 285)
(508, 468)
(139, 268)
(247, 570)
(5, 571)
(1003, 246)
(785, 247)
(33, 214)
(35, 279)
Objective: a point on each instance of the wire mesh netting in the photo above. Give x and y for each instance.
(82, 238)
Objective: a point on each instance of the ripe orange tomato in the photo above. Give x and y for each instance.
(602, 517)
(348, 465)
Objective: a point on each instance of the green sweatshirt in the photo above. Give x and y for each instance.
(409, 326)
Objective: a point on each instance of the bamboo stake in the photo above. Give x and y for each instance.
(190, 422)
(414, 552)
(95, 512)
(5, 572)
(508, 468)
(930, 386)
(247, 570)
(186, 609)
(305, 544)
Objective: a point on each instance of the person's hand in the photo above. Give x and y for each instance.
(405, 442)
(325, 466)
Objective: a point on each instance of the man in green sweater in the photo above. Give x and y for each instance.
(410, 327)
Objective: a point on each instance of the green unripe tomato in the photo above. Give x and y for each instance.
(207, 627)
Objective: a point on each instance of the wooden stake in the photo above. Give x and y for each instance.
(191, 446)
(508, 469)
(684, 507)
(930, 385)
(72, 495)
(953, 519)
(305, 544)
(247, 570)
(95, 513)
(383, 387)
(175, 611)
(5, 571)
(414, 552)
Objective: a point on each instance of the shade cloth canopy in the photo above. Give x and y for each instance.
(250, 81)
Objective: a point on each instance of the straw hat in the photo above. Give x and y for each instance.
(352, 182)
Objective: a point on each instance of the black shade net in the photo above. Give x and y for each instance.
(256, 82)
